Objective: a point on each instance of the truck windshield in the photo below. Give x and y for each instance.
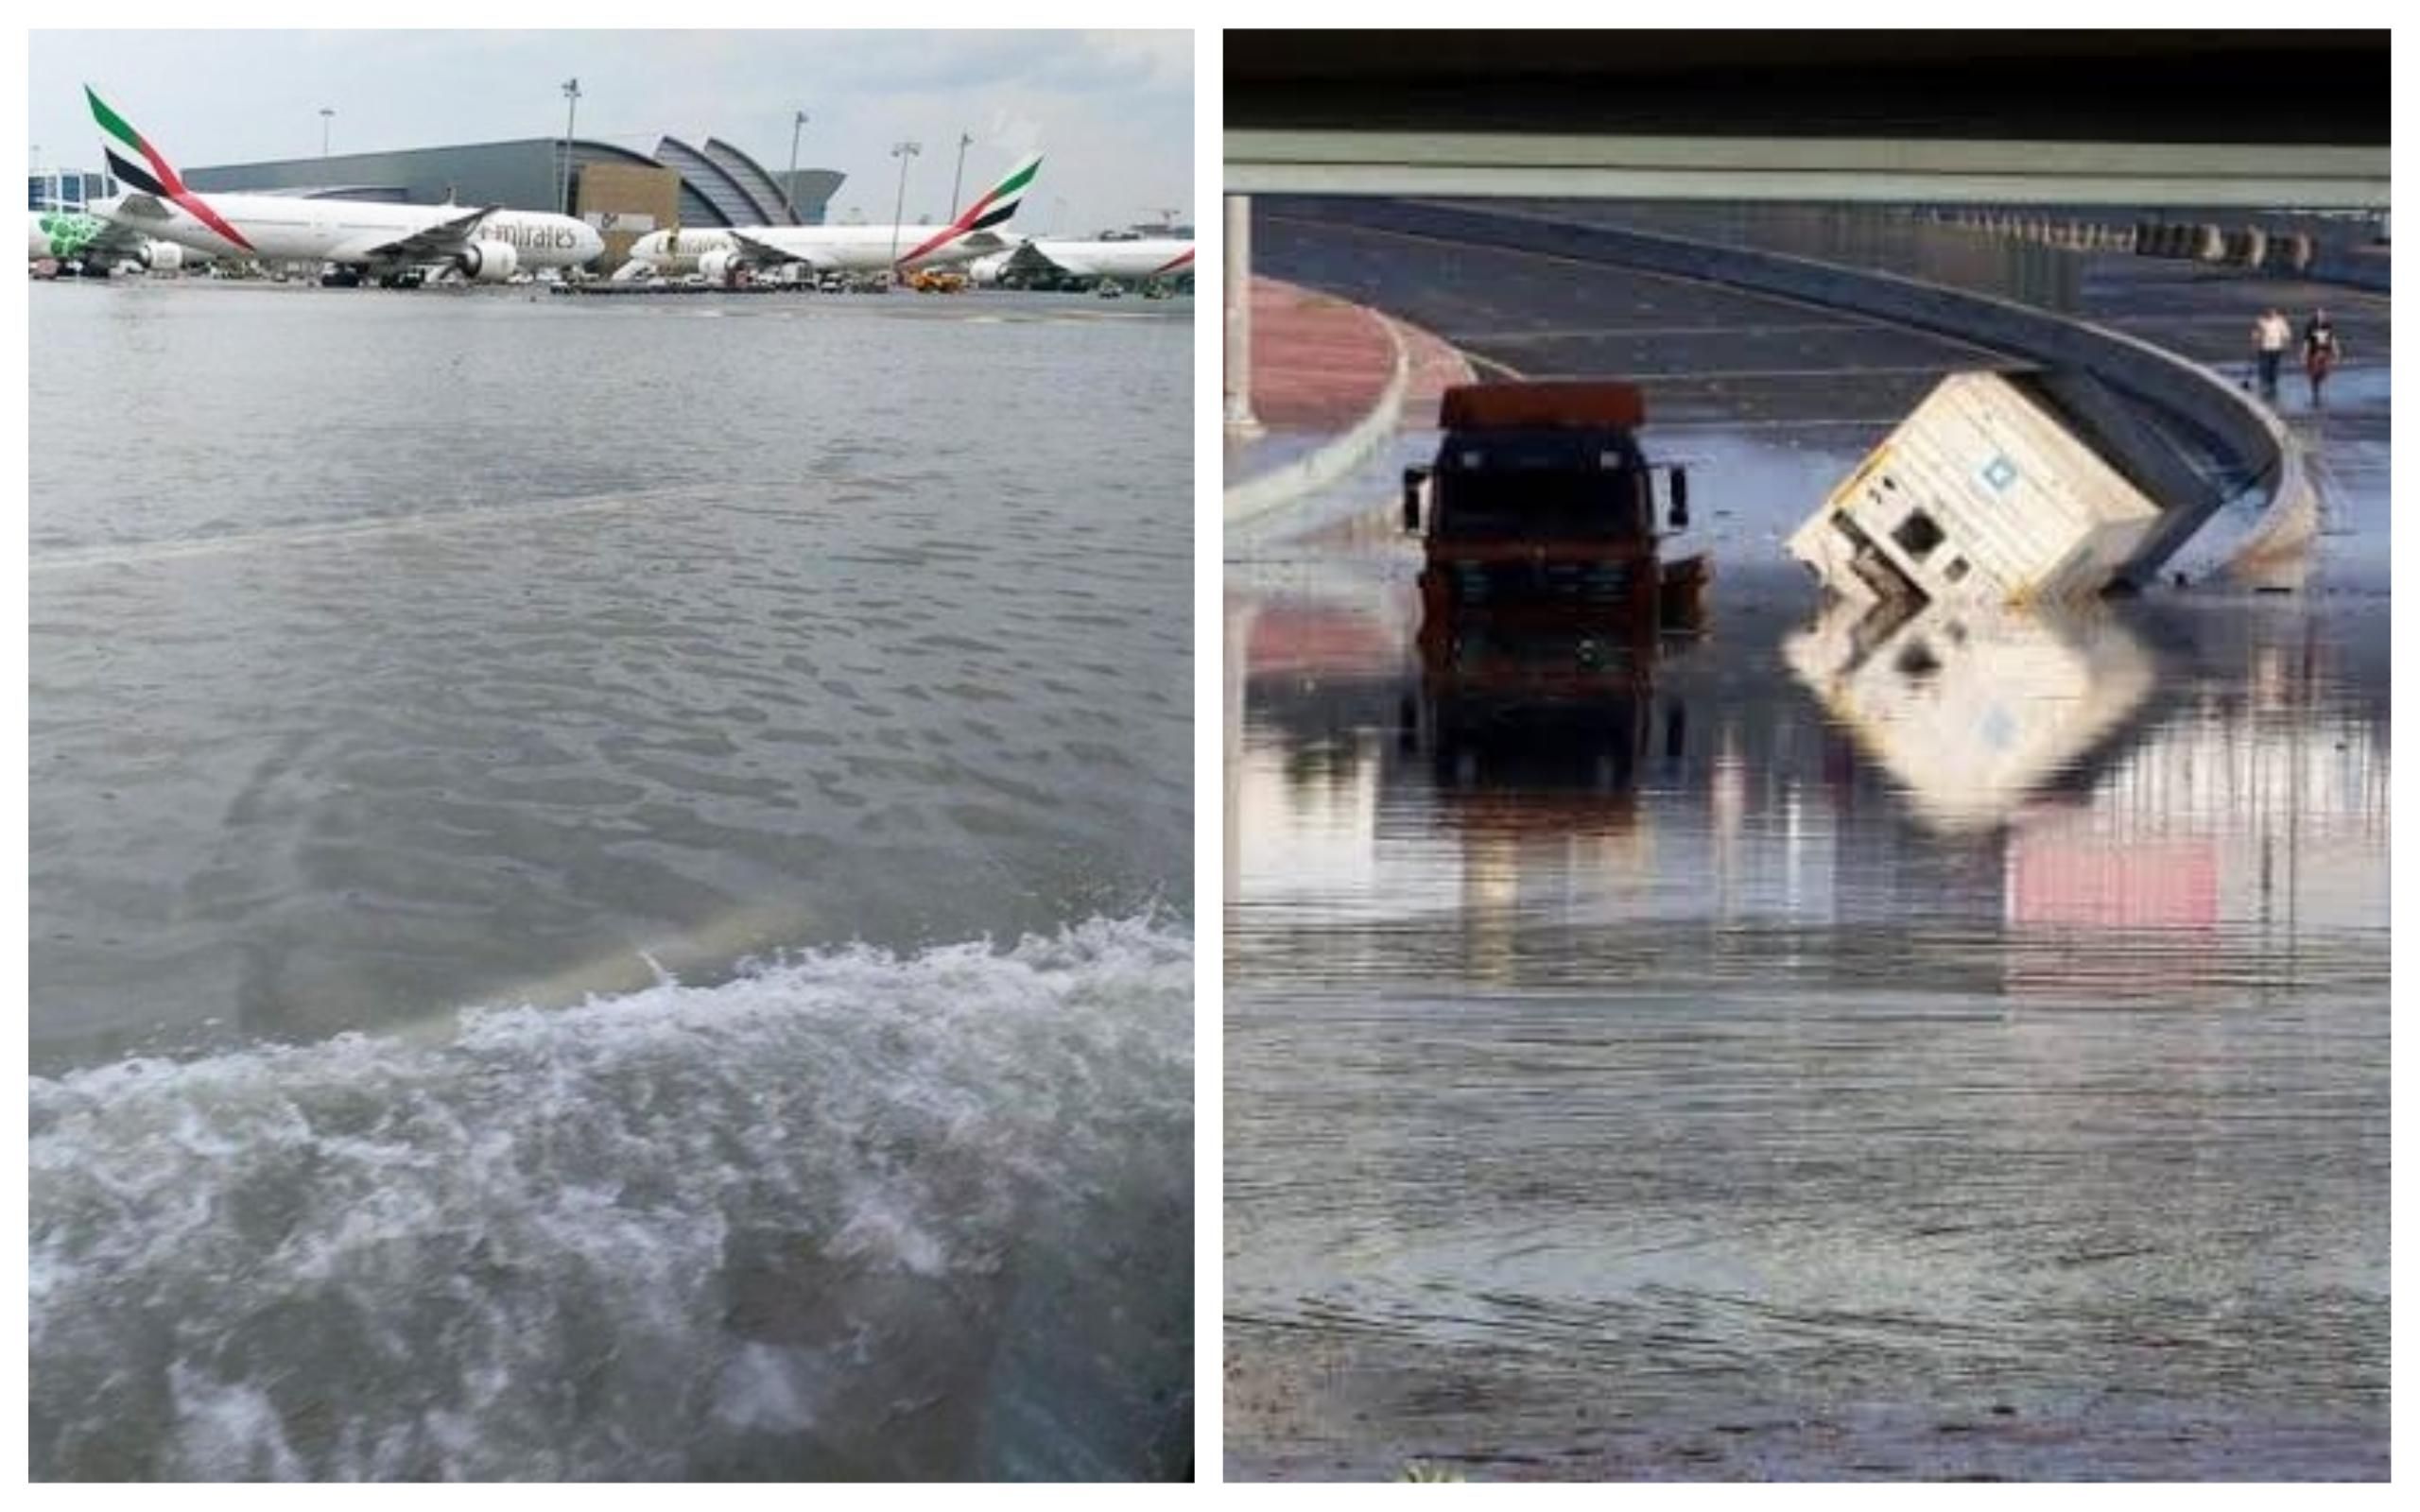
(1560, 503)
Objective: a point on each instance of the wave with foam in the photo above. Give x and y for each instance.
(853, 1214)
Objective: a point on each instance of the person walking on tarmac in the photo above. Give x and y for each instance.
(2321, 352)
(2271, 334)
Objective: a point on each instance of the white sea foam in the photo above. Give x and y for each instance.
(823, 1219)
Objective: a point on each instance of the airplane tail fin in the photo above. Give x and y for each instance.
(1000, 201)
(139, 165)
(133, 160)
(992, 207)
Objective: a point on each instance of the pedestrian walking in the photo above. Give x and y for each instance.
(2271, 334)
(2321, 352)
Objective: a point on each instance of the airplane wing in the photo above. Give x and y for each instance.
(116, 239)
(140, 207)
(429, 244)
(1030, 258)
(765, 251)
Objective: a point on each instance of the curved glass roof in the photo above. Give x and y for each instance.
(759, 185)
(715, 186)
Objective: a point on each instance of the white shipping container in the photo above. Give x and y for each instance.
(1981, 495)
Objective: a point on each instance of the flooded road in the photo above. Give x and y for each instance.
(610, 894)
(1949, 1046)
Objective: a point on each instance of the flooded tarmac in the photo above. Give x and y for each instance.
(610, 886)
(1937, 1045)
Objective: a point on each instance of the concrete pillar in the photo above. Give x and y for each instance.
(2255, 246)
(1238, 295)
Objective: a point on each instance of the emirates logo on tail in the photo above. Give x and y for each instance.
(136, 162)
(995, 205)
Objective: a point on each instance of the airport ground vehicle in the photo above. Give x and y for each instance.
(1539, 513)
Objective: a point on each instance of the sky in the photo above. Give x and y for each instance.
(1112, 111)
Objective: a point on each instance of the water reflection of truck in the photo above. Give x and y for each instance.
(1539, 512)
(1537, 731)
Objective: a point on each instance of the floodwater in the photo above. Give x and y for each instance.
(1950, 1047)
(609, 887)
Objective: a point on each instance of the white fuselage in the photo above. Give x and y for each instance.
(278, 228)
(1151, 257)
(830, 248)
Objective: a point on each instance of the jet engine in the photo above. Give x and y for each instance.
(488, 262)
(717, 265)
(161, 257)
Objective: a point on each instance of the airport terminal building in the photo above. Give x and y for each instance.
(623, 193)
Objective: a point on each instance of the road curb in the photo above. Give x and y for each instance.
(1256, 496)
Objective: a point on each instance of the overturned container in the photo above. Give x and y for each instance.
(1988, 493)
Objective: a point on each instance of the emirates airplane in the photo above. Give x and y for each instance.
(1138, 260)
(391, 242)
(718, 254)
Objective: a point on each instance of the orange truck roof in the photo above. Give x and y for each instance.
(1577, 404)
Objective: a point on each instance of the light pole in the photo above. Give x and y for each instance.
(571, 114)
(964, 141)
(790, 185)
(903, 151)
(326, 114)
(1237, 254)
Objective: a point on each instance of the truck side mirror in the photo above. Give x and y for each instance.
(1677, 489)
(1413, 478)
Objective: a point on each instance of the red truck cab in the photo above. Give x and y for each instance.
(1540, 512)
